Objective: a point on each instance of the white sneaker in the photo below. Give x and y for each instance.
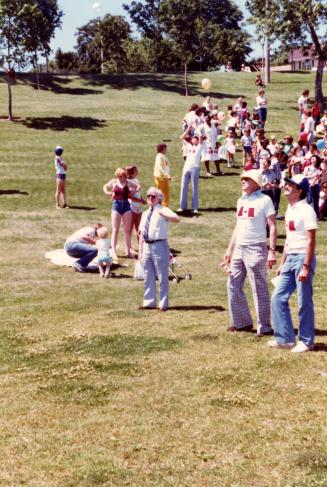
(195, 212)
(209, 175)
(275, 344)
(301, 347)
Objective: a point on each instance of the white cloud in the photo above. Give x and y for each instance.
(96, 6)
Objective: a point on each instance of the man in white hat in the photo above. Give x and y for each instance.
(247, 254)
(296, 270)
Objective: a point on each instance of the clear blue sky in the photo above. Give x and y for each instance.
(79, 12)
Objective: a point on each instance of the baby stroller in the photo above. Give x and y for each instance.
(174, 263)
(139, 272)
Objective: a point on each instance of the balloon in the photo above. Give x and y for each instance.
(320, 144)
(221, 116)
(206, 84)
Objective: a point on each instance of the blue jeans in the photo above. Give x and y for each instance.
(155, 263)
(190, 174)
(83, 251)
(262, 112)
(281, 315)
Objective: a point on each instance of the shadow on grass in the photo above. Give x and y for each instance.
(188, 214)
(85, 208)
(218, 209)
(63, 123)
(12, 191)
(320, 347)
(196, 307)
(173, 83)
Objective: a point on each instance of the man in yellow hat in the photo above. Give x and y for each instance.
(247, 254)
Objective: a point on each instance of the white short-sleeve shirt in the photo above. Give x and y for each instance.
(158, 227)
(299, 218)
(252, 213)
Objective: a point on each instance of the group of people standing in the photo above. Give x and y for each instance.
(247, 253)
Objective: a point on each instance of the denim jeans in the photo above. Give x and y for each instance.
(281, 315)
(83, 251)
(190, 174)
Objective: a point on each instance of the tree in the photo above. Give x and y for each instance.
(67, 61)
(146, 16)
(208, 30)
(25, 29)
(38, 21)
(101, 44)
(298, 21)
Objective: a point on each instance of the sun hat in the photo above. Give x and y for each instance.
(300, 181)
(253, 174)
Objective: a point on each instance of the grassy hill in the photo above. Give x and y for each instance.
(98, 393)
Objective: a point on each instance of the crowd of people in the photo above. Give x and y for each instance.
(298, 166)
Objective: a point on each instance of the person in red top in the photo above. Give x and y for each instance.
(316, 113)
(120, 189)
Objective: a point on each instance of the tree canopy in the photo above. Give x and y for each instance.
(297, 21)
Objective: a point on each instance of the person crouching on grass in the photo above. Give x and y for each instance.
(296, 270)
(61, 170)
(154, 249)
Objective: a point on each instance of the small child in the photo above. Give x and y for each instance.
(136, 201)
(230, 147)
(61, 169)
(258, 81)
(247, 143)
(103, 246)
(323, 201)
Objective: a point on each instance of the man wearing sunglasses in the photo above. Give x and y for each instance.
(247, 255)
(154, 249)
(296, 270)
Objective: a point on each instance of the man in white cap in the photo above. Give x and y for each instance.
(296, 270)
(247, 254)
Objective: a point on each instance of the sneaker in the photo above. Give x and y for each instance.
(279, 217)
(195, 212)
(301, 347)
(275, 344)
(209, 175)
(180, 210)
(78, 268)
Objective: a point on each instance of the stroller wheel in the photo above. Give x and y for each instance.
(176, 280)
(188, 277)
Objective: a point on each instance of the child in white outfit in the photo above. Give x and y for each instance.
(103, 246)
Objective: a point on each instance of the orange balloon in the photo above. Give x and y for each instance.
(206, 84)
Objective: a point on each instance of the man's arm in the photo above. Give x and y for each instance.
(169, 215)
(271, 221)
(310, 251)
(185, 134)
(230, 249)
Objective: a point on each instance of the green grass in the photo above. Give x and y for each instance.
(95, 392)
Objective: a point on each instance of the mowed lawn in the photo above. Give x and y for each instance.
(95, 392)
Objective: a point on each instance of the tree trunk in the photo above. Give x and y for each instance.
(47, 64)
(10, 116)
(318, 84)
(185, 79)
(37, 74)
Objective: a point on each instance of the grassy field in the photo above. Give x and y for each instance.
(95, 392)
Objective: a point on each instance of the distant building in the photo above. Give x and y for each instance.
(303, 59)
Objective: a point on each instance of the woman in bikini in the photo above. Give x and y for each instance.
(120, 189)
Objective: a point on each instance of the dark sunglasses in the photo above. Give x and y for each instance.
(152, 196)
